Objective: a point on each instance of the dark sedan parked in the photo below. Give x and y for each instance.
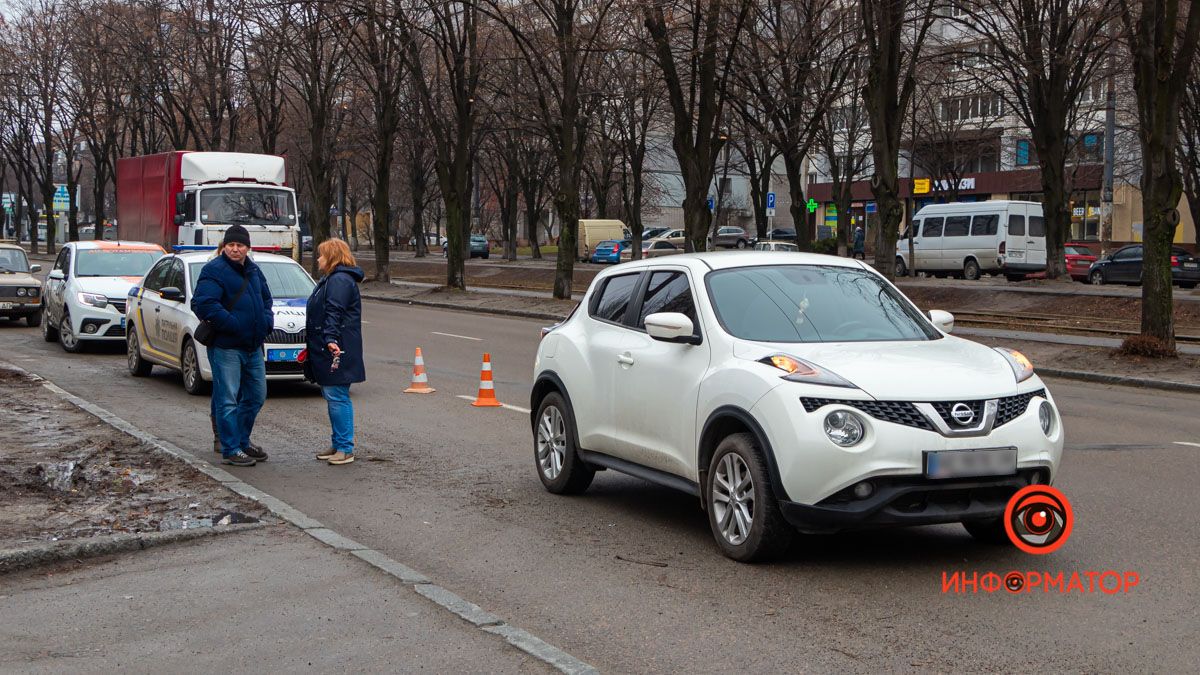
(781, 234)
(1124, 266)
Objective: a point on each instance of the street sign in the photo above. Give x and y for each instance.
(771, 201)
(870, 207)
(711, 204)
(771, 212)
(812, 205)
(62, 199)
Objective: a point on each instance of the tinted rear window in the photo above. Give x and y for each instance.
(1037, 226)
(613, 299)
(1016, 226)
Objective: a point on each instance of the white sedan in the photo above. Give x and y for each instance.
(791, 391)
(84, 295)
(162, 323)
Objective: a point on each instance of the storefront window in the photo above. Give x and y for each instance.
(1085, 215)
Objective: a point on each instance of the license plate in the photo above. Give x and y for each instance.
(284, 354)
(1191, 266)
(1017, 254)
(6, 305)
(967, 463)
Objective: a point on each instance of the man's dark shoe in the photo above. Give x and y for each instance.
(256, 453)
(240, 459)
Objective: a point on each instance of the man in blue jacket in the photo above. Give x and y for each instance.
(232, 295)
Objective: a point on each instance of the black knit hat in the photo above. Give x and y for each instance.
(236, 234)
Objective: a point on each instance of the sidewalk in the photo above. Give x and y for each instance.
(1072, 356)
(272, 598)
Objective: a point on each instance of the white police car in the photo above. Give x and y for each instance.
(161, 322)
(84, 295)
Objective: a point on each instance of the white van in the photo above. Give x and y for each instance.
(593, 231)
(971, 238)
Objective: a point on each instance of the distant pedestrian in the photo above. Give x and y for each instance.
(859, 243)
(232, 296)
(335, 349)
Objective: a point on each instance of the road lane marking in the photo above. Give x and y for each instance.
(460, 337)
(1194, 445)
(517, 408)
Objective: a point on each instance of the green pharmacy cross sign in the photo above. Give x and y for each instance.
(812, 205)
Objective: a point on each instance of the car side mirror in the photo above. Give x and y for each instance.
(180, 203)
(178, 219)
(34, 269)
(943, 320)
(56, 275)
(672, 327)
(171, 293)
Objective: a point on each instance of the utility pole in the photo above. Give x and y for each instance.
(1110, 132)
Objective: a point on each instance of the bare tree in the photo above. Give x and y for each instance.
(1042, 56)
(1162, 36)
(693, 45)
(1189, 144)
(894, 34)
(640, 102)
(845, 141)
(261, 61)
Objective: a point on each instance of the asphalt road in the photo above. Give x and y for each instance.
(626, 576)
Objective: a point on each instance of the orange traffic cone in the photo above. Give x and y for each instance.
(487, 390)
(420, 381)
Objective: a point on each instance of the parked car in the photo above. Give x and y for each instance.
(971, 238)
(592, 231)
(654, 233)
(163, 323)
(608, 251)
(1124, 266)
(20, 291)
(479, 247)
(659, 248)
(85, 291)
(790, 391)
(1079, 260)
(782, 234)
(776, 246)
(731, 237)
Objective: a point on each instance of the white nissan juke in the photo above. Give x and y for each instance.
(788, 391)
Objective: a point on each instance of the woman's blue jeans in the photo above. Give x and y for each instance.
(341, 417)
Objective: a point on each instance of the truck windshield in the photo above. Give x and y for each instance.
(248, 206)
(114, 263)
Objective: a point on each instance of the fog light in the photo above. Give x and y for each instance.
(1046, 417)
(844, 428)
(90, 328)
(863, 490)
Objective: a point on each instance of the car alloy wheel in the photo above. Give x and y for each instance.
(138, 367)
(193, 383)
(66, 335)
(551, 443)
(1097, 278)
(733, 499)
(559, 466)
(741, 243)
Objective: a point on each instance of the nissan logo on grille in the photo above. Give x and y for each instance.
(962, 413)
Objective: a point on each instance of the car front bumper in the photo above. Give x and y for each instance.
(108, 323)
(14, 307)
(818, 476)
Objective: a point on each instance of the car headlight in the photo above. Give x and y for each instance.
(1021, 365)
(1046, 417)
(21, 292)
(33, 292)
(844, 428)
(93, 299)
(799, 370)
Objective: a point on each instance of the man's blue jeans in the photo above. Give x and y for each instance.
(341, 417)
(239, 390)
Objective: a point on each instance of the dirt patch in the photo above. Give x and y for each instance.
(66, 475)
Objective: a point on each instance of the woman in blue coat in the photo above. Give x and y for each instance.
(334, 337)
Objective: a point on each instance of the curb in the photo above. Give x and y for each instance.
(460, 607)
(517, 313)
(31, 556)
(1101, 378)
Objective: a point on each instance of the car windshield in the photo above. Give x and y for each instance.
(813, 303)
(114, 262)
(286, 281)
(250, 206)
(1078, 250)
(12, 260)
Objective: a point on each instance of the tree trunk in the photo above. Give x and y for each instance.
(1055, 203)
(382, 211)
(799, 206)
(1160, 197)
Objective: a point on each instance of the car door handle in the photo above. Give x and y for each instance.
(625, 359)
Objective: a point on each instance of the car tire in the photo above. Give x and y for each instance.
(189, 366)
(558, 465)
(1189, 285)
(987, 531)
(70, 342)
(741, 243)
(1097, 278)
(34, 320)
(138, 367)
(485, 256)
(971, 270)
(901, 268)
(49, 332)
(739, 458)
